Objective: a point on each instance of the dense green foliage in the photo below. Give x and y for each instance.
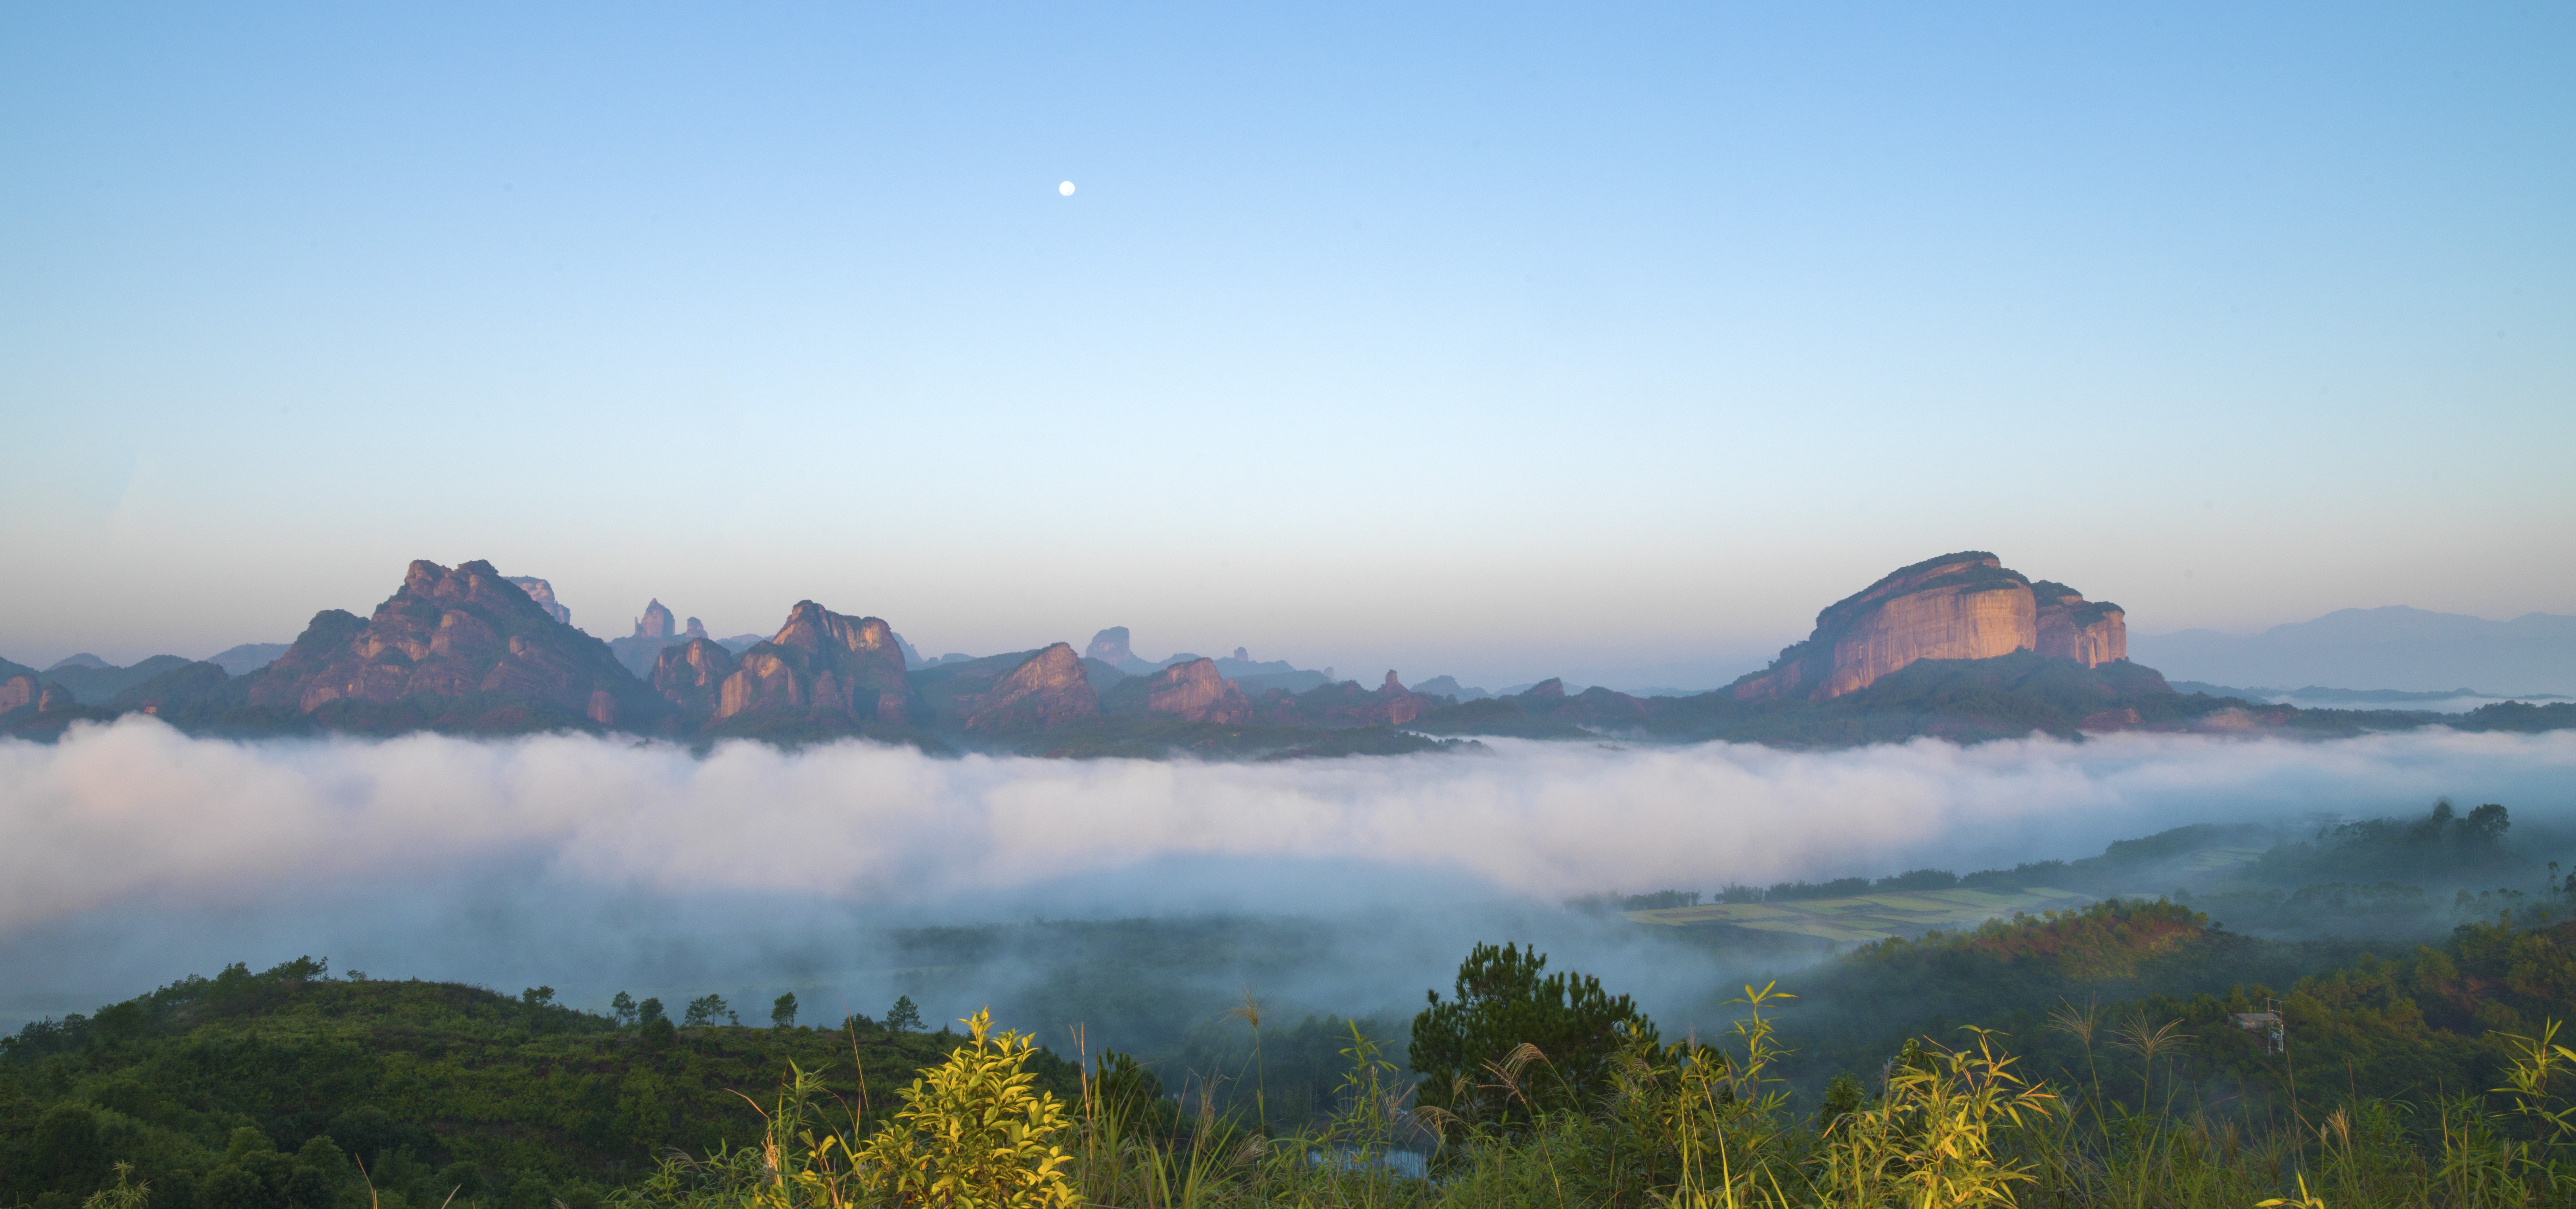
(212, 1088)
(271, 1089)
(2154, 1101)
(2518, 716)
(1468, 1050)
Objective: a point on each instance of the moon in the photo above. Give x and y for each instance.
(1066, 188)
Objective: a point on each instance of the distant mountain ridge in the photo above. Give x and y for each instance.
(92, 681)
(2391, 647)
(1958, 647)
(247, 658)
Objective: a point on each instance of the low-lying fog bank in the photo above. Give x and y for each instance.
(131, 855)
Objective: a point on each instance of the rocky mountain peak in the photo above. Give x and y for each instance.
(449, 634)
(543, 593)
(823, 663)
(1110, 646)
(656, 622)
(812, 627)
(697, 629)
(1194, 692)
(1046, 689)
(1966, 605)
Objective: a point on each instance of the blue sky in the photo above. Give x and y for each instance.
(1501, 341)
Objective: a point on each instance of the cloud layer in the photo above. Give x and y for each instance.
(137, 812)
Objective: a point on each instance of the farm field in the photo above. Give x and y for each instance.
(1868, 917)
(2221, 860)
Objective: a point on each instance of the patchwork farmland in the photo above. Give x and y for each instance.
(1867, 917)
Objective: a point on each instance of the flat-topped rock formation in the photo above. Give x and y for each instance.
(1958, 606)
(1110, 646)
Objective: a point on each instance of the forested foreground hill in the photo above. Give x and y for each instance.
(2119, 1021)
(2413, 1022)
(271, 1089)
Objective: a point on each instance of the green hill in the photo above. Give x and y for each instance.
(270, 1089)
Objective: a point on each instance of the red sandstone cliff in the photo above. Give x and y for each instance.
(1194, 692)
(1397, 704)
(448, 634)
(1957, 606)
(1048, 688)
(2091, 633)
(820, 662)
(692, 675)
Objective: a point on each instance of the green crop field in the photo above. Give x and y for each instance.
(1868, 917)
(2215, 860)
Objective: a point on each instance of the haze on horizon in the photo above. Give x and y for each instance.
(1494, 344)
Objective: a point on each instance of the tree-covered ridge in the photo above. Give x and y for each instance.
(221, 1090)
(2432, 1021)
(2106, 940)
(2121, 1020)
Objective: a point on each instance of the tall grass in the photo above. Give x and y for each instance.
(1683, 1126)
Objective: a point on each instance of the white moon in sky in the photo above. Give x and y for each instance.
(1065, 188)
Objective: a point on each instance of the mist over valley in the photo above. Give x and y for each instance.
(817, 606)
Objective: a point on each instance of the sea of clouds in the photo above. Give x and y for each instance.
(131, 854)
